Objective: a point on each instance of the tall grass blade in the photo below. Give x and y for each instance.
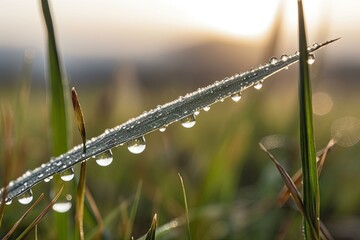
(58, 116)
(80, 197)
(186, 207)
(80, 202)
(307, 141)
(152, 231)
(134, 208)
(155, 119)
(12, 230)
(40, 216)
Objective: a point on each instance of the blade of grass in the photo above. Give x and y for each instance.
(80, 196)
(152, 231)
(295, 194)
(321, 157)
(40, 216)
(130, 225)
(307, 142)
(80, 203)
(79, 117)
(186, 207)
(58, 116)
(95, 210)
(12, 230)
(153, 120)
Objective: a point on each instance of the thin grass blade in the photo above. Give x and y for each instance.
(133, 211)
(92, 207)
(12, 230)
(307, 140)
(284, 194)
(40, 216)
(295, 194)
(80, 196)
(186, 207)
(152, 231)
(79, 116)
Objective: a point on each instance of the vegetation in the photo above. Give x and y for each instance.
(230, 188)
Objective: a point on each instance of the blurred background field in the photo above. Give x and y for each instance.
(125, 57)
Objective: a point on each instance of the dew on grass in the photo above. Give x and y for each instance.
(67, 174)
(207, 108)
(236, 97)
(258, 85)
(137, 145)
(104, 159)
(162, 129)
(62, 207)
(48, 179)
(26, 197)
(284, 57)
(273, 60)
(188, 121)
(311, 58)
(8, 202)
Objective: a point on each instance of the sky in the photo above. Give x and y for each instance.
(139, 27)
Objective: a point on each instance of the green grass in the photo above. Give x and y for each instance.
(231, 188)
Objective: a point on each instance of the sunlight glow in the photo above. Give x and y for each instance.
(236, 18)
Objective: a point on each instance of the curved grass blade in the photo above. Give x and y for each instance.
(186, 207)
(284, 194)
(307, 140)
(79, 117)
(295, 194)
(153, 120)
(12, 230)
(82, 180)
(152, 231)
(40, 216)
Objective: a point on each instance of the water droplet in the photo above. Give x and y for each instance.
(48, 179)
(258, 85)
(162, 129)
(104, 159)
(297, 53)
(311, 58)
(284, 57)
(137, 145)
(62, 207)
(315, 45)
(67, 175)
(26, 197)
(8, 202)
(236, 97)
(188, 121)
(196, 113)
(273, 60)
(207, 108)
